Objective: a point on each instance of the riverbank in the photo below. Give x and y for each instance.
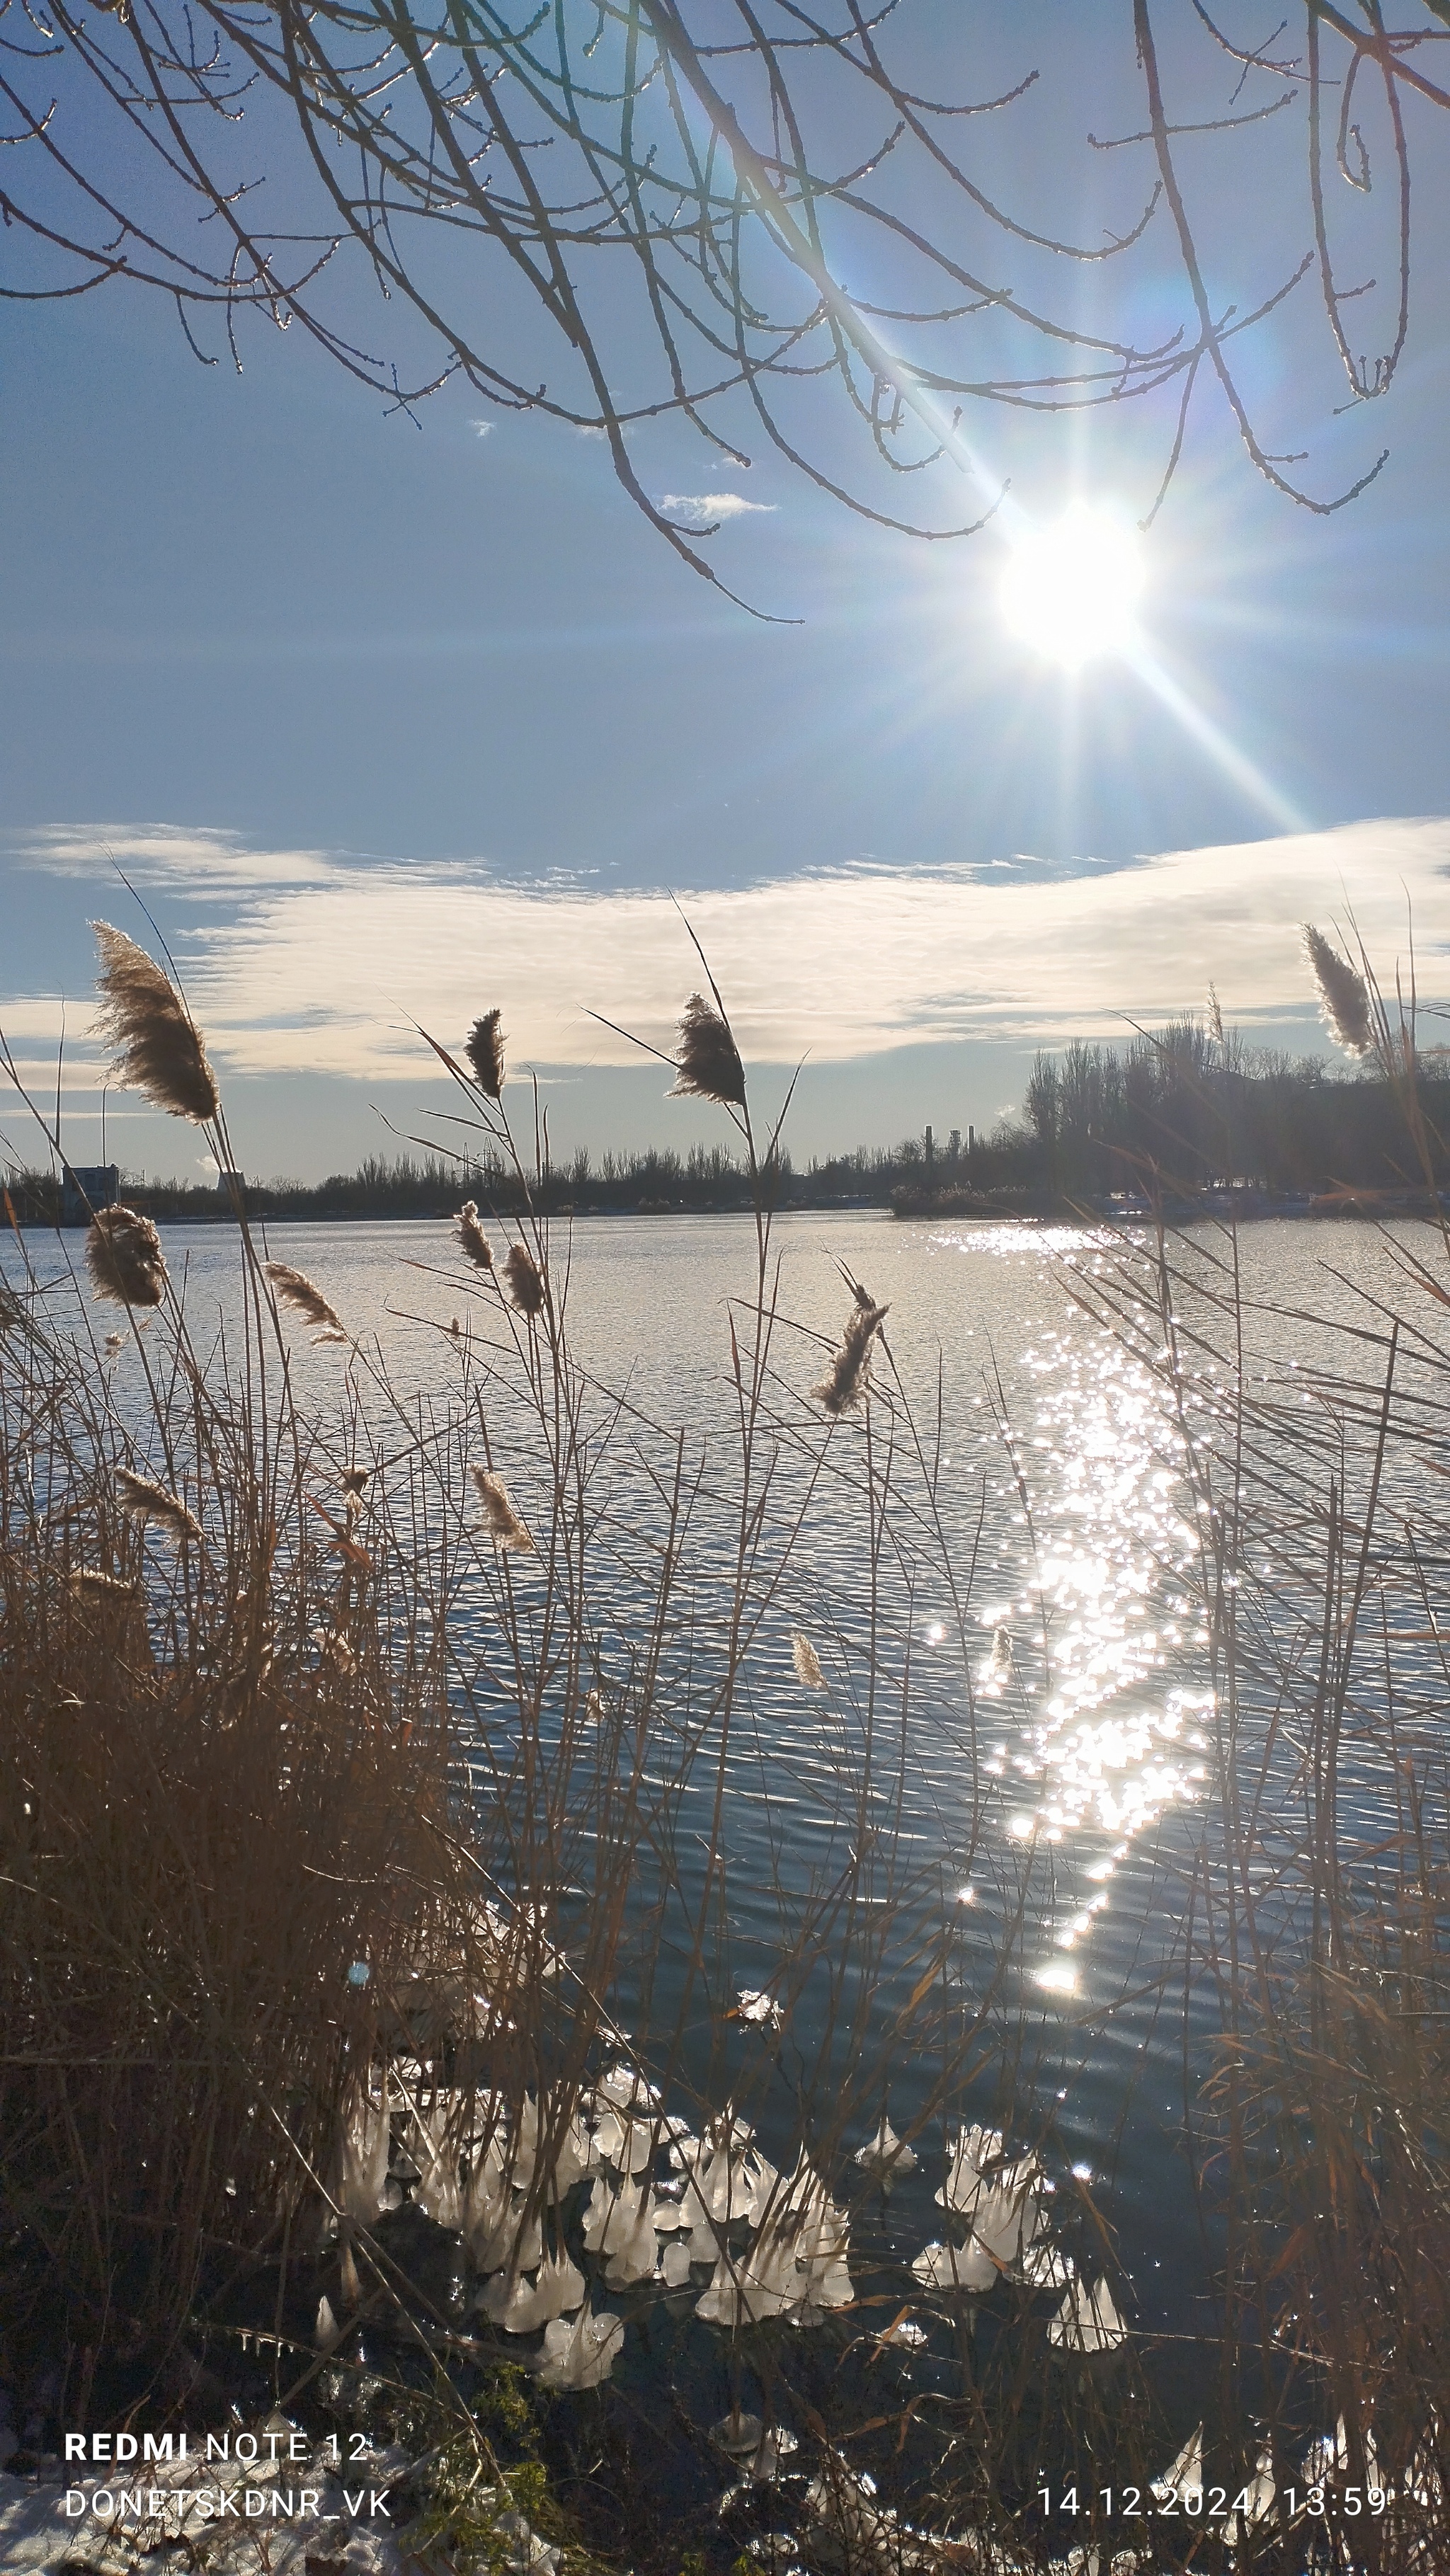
(1124, 1207)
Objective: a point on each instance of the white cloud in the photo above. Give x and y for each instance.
(483, 428)
(326, 974)
(170, 854)
(700, 509)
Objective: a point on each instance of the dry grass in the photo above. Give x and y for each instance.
(206, 1821)
(282, 1705)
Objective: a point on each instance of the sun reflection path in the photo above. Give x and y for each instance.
(1096, 1658)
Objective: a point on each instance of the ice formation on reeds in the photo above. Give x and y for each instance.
(157, 1048)
(504, 1525)
(969, 2153)
(628, 2143)
(472, 1237)
(524, 1280)
(1343, 994)
(907, 2334)
(806, 1661)
(363, 2151)
(1087, 2320)
(1329, 2459)
(1260, 2499)
(520, 2306)
(886, 2153)
(627, 2090)
(758, 2008)
(632, 2251)
(1044, 2266)
(140, 1500)
(582, 2354)
(955, 2267)
(294, 1288)
(124, 1257)
(708, 1065)
(845, 1381)
(484, 1050)
(795, 2262)
(440, 2190)
(1184, 2474)
(738, 2434)
(1004, 2209)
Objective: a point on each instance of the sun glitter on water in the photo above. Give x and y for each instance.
(1071, 590)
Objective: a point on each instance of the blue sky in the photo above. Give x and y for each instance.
(388, 724)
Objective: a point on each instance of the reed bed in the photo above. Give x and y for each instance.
(371, 1963)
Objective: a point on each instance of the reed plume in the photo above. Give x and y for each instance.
(524, 1279)
(708, 1064)
(1343, 994)
(294, 1288)
(471, 1234)
(354, 1479)
(504, 1525)
(484, 1050)
(157, 1046)
(1215, 1014)
(105, 1587)
(806, 1661)
(124, 1257)
(141, 1501)
(844, 1383)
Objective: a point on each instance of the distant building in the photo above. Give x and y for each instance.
(85, 1187)
(229, 1185)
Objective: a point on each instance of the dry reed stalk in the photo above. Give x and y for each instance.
(708, 1064)
(484, 1050)
(158, 1047)
(806, 1661)
(142, 1501)
(296, 1290)
(1343, 994)
(504, 1525)
(472, 1237)
(124, 1257)
(240, 1918)
(175, 1944)
(524, 1280)
(845, 1382)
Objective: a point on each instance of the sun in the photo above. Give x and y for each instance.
(1071, 590)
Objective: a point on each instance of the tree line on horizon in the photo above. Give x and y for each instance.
(1181, 1110)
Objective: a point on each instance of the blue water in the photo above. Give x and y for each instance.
(1011, 1793)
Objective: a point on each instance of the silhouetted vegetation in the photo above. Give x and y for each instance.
(1179, 1112)
(1186, 1114)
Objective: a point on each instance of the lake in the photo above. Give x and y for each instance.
(1036, 1741)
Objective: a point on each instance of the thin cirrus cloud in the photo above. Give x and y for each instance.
(334, 968)
(197, 858)
(701, 509)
